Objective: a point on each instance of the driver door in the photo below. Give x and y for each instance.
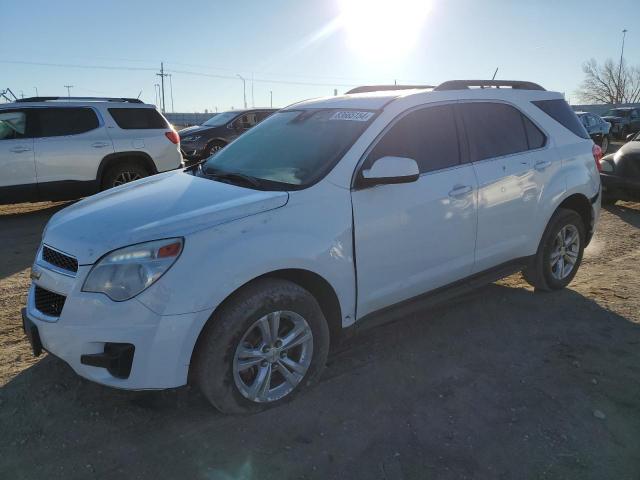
(414, 237)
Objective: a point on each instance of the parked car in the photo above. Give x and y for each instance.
(623, 120)
(597, 129)
(240, 271)
(55, 148)
(202, 141)
(620, 174)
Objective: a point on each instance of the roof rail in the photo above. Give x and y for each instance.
(98, 99)
(465, 84)
(383, 88)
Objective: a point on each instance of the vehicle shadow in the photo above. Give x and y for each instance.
(20, 235)
(625, 211)
(500, 383)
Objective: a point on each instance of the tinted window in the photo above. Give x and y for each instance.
(493, 129)
(535, 138)
(59, 121)
(138, 118)
(429, 136)
(561, 112)
(13, 124)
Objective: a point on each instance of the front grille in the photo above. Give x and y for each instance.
(48, 302)
(59, 259)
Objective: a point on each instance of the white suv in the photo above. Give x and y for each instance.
(63, 148)
(239, 272)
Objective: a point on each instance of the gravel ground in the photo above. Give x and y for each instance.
(502, 383)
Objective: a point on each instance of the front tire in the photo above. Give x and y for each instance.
(123, 173)
(266, 344)
(560, 252)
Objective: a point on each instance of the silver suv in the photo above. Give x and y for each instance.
(55, 148)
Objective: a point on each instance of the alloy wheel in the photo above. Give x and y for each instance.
(565, 251)
(273, 356)
(126, 177)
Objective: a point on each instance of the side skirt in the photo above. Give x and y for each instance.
(438, 296)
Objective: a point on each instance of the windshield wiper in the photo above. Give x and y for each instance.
(231, 176)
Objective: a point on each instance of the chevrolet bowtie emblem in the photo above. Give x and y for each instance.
(35, 273)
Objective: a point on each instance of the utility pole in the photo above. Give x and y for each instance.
(36, 91)
(68, 87)
(244, 89)
(162, 75)
(253, 105)
(171, 90)
(495, 73)
(271, 98)
(619, 92)
(156, 89)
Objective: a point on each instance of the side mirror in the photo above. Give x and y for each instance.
(387, 170)
(629, 137)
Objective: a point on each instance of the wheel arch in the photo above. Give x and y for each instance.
(580, 204)
(314, 283)
(120, 157)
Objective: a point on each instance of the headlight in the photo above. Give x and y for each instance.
(192, 138)
(124, 273)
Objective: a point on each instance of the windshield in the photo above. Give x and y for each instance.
(220, 119)
(293, 147)
(616, 113)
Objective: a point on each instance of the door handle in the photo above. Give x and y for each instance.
(542, 164)
(100, 144)
(20, 149)
(460, 190)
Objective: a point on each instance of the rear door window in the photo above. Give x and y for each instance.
(561, 112)
(535, 137)
(13, 124)
(62, 121)
(494, 130)
(429, 136)
(138, 118)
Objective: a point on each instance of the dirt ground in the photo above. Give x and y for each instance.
(503, 383)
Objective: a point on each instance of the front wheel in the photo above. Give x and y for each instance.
(123, 173)
(560, 252)
(266, 344)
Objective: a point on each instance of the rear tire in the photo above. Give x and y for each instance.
(549, 269)
(214, 147)
(233, 353)
(122, 173)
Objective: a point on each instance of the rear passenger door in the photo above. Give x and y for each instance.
(69, 145)
(502, 148)
(413, 237)
(17, 167)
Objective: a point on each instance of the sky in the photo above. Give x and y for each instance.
(301, 49)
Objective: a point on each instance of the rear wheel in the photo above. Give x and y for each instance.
(560, 252)
(623, 133)
(214, 147)
(123, 173)
(269, 342)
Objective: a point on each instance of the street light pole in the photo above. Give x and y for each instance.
(244, 89)
(68, 87)
(619, 93)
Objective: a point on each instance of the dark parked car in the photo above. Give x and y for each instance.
(620, 173)
(200, 142)
(623, 120)
(597, 128)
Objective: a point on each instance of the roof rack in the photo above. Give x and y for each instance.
(465, 84)
(98, 99)
(382, 88)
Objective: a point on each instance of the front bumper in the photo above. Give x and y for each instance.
(91, 328)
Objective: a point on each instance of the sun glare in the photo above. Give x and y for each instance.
(383, 28)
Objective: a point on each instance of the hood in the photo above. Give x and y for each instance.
(610, 118)
(632, 147)
(185, 132)
(172, 204)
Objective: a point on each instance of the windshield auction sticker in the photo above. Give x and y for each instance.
(352, 115)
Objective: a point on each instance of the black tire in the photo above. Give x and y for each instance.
(122, 173)
(623, 133)
(213, 364)
(214, 147)
(539, 273)
(604, 144)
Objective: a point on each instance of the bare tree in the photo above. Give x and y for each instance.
(610, 83)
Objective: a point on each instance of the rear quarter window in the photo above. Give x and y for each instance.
(561, 112)
(138, 118)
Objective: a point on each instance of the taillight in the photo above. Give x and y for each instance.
(173, 136)
(597, 156)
